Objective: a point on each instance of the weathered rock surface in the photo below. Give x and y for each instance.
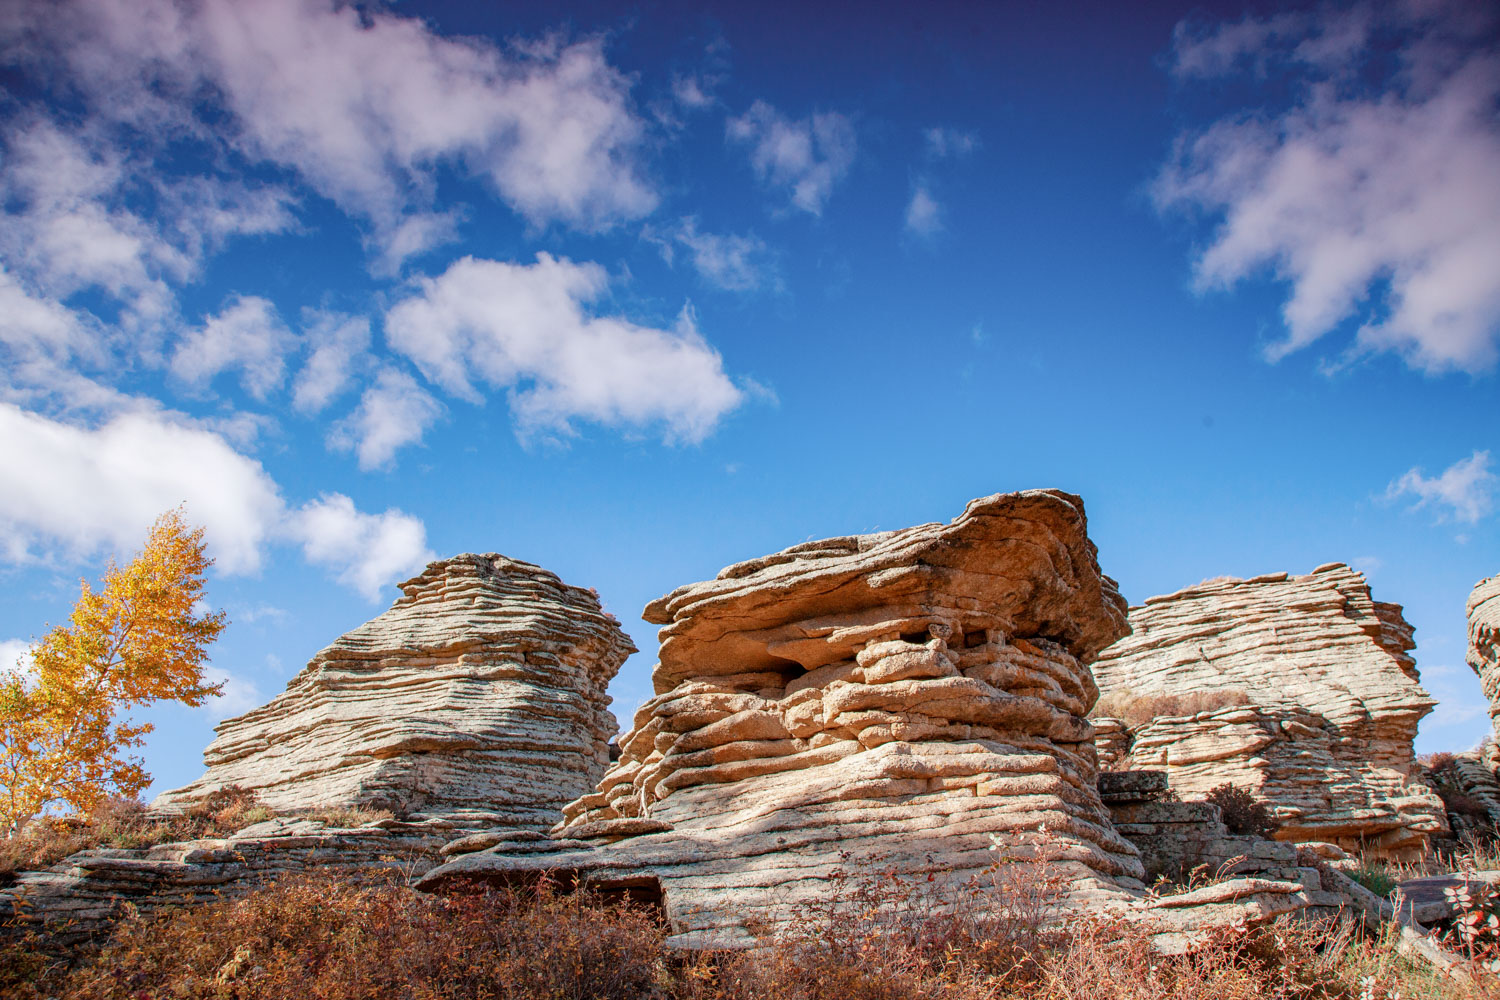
(81, 895)
(909, 702)
(478, 697)
(1333, 704)
(1484, 641)
(892, 700)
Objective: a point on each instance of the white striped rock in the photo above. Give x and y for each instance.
(1484, 641)
(1334, 702)
(479, 697)
(901, 701)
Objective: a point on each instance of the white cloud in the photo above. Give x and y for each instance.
(239, 694)
(1378, 204)
(806, 156)
(248, 335)
(523, 327)
(63, 228)
(85, 490)
(944, 142)
(15, 654)
(729, 261)
(692, 92)
(365, 550)
(68, 226)
(392, 413)
(364, 104)
(338, 342)
(924, 216)
(73, 490)
(1466, 488)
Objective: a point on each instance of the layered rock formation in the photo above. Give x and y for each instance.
(82, 895)
(478, 697)
(1484, 641)
(911, 700)
(1331, 704)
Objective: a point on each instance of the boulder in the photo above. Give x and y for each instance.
(909, 702)
(1484, 641)
(1311, 702)
(478, 697)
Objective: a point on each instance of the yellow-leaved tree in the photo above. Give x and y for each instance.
(140, 638)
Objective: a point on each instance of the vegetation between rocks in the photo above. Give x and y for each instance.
(316, 935)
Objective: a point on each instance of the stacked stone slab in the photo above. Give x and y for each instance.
(1332, 704)
(911, 700)
(478, 697)
(1484, 641)
(81, 896)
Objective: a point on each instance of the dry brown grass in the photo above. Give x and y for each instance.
(1138, 709)
(316, 936)
(125, 823)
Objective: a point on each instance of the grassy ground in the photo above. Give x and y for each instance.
(127, 823)
(315, 936)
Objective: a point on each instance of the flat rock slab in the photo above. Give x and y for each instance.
(1425, 899)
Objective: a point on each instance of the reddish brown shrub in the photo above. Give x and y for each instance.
(1243, 813)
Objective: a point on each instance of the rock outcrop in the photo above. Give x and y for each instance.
(478, 697)
(81, 896)
(1484, 642)
(1328, 702)
(911, 700)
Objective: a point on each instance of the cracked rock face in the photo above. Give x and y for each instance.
(1484, 641)
(1332, 704)
(479, 696)
(899, 701)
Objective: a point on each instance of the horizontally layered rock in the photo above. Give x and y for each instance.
(909, 700)
(478, 696)
(1484, 642)
(1332, 703)
(82, 895)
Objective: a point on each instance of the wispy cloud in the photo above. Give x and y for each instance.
(804, 157)
(363, 104)
(943, 142)
(1464, 492)
(392, 413)
(524, 327)
(71, 490)
(246, 335)
(366, 551)
(924, 216)
(339, 344)
(731, 261)
(1375, 202)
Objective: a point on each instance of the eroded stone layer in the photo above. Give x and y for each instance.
(480, 693)
(910, 701)
(1484, 642)
(1332, 702)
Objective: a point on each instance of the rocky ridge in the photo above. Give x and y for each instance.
(83, 894)
(910, 701)
(1331, 702)
(478, 697)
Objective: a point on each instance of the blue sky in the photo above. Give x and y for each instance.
(636, 291)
